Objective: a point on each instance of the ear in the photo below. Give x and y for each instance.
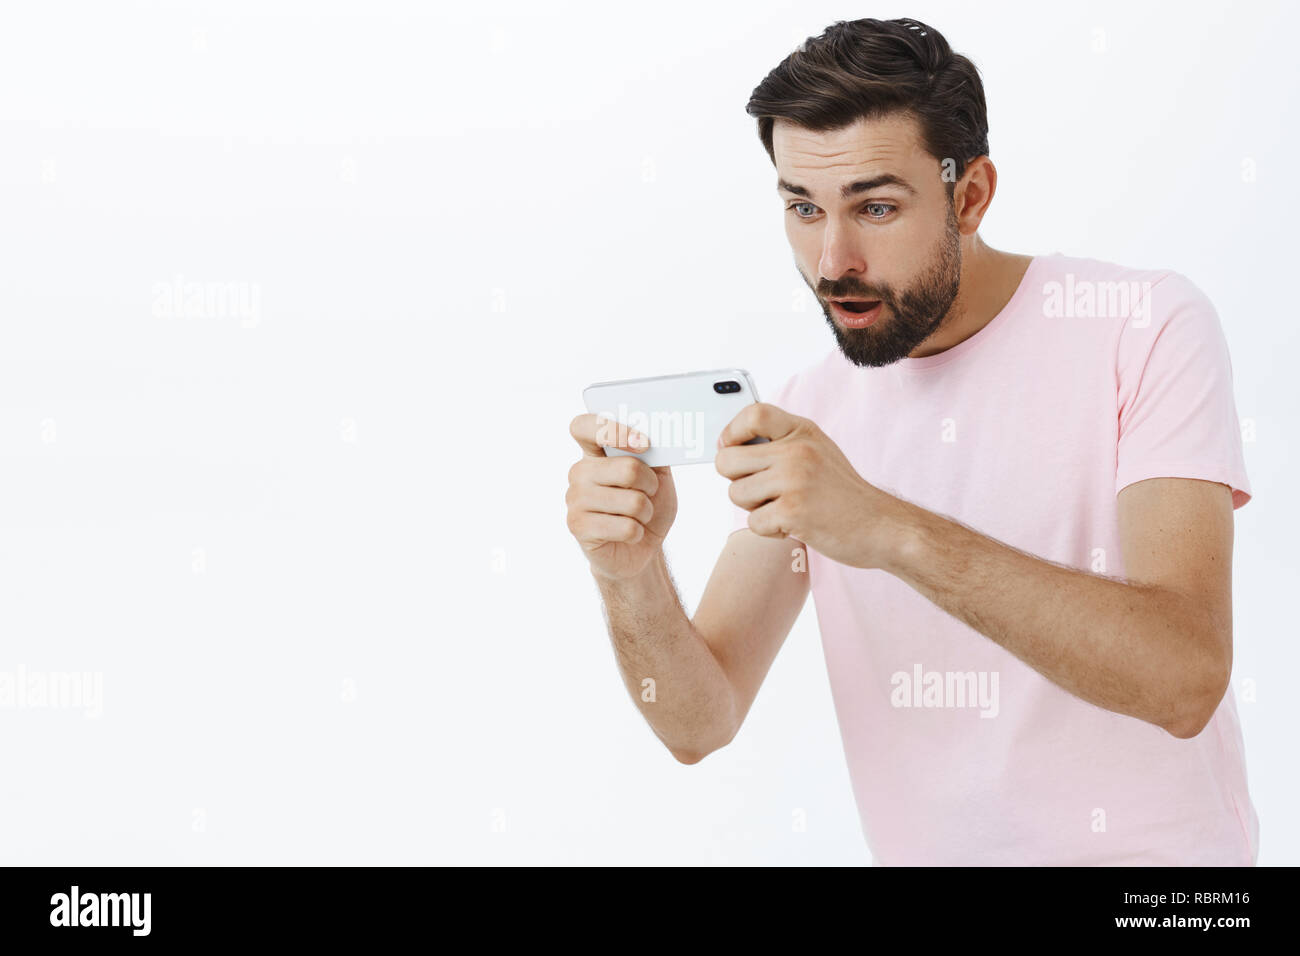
(973, 194)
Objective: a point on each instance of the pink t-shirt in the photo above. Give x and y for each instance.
(1092, 377)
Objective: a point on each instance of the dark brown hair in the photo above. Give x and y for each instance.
(866, 69)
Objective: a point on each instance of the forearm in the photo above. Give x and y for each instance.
(672, 676)
(1130, 648)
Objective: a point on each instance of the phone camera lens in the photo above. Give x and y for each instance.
(723, 388)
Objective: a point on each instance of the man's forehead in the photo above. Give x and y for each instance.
(860, 148)
(845, 163)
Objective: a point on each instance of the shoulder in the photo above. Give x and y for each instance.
(1140, 306)
(1098, 288)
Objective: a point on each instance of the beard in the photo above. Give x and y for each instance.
(913, 315)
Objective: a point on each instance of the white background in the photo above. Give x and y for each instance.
(318, 555)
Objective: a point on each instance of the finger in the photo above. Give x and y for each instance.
(766, 521)
(754, 491)
(632, 503)
(595, 528)
(623, 471)
(592, 432)
(738, 461)
(758, 420)
(615, 434)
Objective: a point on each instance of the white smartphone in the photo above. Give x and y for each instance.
(682, 415)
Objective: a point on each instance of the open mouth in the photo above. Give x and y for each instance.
(858, 305)
(856, 313)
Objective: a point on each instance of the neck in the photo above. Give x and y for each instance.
(989, 278)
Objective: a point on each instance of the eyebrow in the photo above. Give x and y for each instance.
(852, 189)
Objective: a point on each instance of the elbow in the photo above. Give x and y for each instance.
(713, 733)
(1188, 728)
(689, 757)
(692, 755)
(1199, 707)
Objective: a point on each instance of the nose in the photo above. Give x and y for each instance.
(841, 254)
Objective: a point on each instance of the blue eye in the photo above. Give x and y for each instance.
(812, 209)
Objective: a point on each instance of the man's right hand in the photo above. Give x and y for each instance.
(620, 509)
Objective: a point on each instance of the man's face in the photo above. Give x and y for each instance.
(895, 243)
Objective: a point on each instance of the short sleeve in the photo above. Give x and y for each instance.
(782, 398)
(1177, 412)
